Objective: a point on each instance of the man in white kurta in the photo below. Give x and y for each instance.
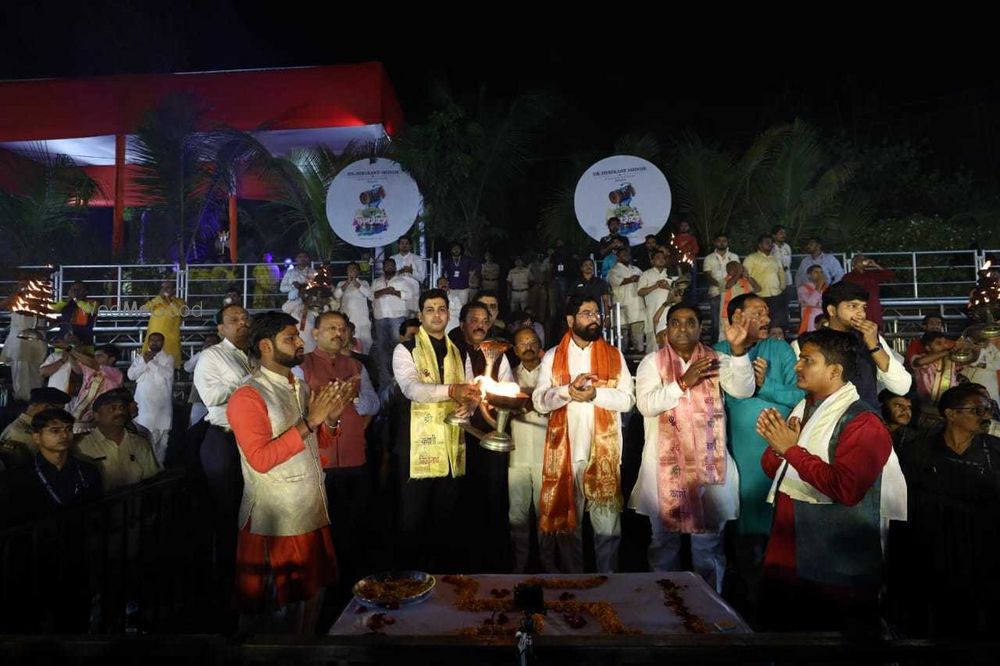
(24, 355)
(390, 299)
(655, 288)
(412, 267)
(984, 369)
(58, 367)
(354, 295)
(153, 374)
(719, 502)
(624, 280)
(524, 478)
(297, 276)
(585, 328)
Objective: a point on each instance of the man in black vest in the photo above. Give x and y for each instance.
(431, 478)
(485, 494)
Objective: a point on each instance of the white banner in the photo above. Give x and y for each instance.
(626, 187)
(372, 203)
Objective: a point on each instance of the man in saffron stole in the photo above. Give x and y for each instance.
(688, 483)
(583, 384)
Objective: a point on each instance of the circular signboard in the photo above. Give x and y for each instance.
(372, 203)
(629, 188)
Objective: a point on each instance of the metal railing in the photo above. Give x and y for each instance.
(122, 291)
(78, 569)
(925, 282)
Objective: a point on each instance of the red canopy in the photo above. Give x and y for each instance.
(295, 98)
(298, 107)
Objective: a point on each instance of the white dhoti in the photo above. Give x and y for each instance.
(24, 357)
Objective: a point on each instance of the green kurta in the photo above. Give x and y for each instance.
(780, 392)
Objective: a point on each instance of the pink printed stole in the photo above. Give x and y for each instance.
(690, 447)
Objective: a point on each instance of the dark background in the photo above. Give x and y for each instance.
(723, 75)
(726, 76)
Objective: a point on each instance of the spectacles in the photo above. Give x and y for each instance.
(979, 411)
(589, 314)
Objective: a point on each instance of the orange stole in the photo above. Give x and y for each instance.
(602, 477)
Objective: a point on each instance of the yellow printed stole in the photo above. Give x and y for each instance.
(602, 477)
(436, 448)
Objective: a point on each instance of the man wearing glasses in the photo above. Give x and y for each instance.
(583, 385)
(954, 484)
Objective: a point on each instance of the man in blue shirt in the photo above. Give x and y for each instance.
(458, 268)
(834, 271)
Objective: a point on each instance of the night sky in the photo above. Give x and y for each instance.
(626, 69)
(718, 74)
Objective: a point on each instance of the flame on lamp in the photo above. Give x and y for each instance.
(487, 385)
(685, 259)
(33, 299)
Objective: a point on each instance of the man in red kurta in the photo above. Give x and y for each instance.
(832, 490)
(342, 452)
(285, 554)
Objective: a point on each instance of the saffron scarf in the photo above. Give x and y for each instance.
(436, 448)
(691, 446)
(602, 477)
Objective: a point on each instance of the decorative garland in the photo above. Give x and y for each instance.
(604, 612)
(673, 600)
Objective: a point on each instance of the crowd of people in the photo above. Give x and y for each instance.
(797, 472)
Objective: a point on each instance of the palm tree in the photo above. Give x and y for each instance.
(179, 174)
(302, 180)
(711, 185)
(467, 158)
(801, 189)
(44, 206)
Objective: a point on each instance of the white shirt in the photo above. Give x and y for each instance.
(783, 251)
(220, 371)
(722, 501)
(60, 378)
(295, 274)
(580, 417)
(895, 378)
(528, 430)
(192, 363)
(405, 372)
(633, 307)
(416, 278)
(654, 299)
(391, 306)
(454, 309)
(984, 369)
(154, 388)
(354, 300)
(715, 265)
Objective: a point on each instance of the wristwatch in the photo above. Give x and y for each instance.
(876, 348)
